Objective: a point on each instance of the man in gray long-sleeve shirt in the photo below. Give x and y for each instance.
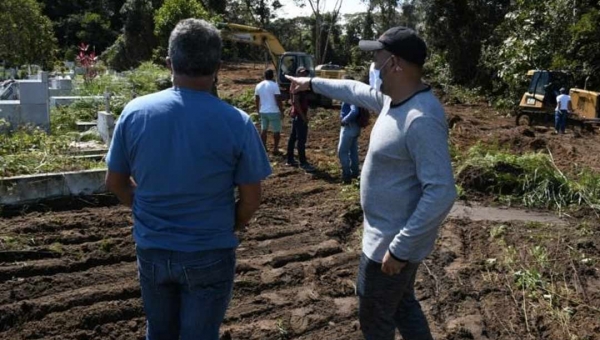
(407, 187)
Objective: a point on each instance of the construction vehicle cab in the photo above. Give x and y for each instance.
(539, 102)
(285, 63)
(331, 71)
(289, 64)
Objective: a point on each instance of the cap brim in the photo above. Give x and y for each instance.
(370, 45)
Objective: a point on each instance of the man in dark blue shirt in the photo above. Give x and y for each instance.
(176, 158)
(348, 144)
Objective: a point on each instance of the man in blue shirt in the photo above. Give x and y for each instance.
(176, 158)
(348, 144)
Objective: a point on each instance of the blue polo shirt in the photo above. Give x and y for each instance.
(186, 150)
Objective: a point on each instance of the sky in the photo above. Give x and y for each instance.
(290, 10)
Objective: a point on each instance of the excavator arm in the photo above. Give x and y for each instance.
(255, 36)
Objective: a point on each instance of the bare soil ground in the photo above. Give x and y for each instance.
(72, 275)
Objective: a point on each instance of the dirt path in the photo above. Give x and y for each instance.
(476, 212)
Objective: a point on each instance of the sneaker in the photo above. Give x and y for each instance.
(292, 163)
(307, 167)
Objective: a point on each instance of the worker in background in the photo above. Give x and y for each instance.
(299, 133)
(270, 109)
(176, 158)
(348, 143)
(563, 107)
(374, 79)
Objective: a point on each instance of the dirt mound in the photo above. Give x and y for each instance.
(472, 125)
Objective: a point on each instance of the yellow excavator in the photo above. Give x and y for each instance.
(285, 63)
(539, 102)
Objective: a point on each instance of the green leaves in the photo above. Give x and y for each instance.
(27, 34)
(167, 17)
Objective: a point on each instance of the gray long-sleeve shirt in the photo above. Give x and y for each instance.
(407, 186)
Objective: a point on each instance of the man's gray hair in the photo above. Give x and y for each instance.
(195, 48)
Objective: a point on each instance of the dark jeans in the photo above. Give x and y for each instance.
(299, 134)
(388, 302)
(185, 294)
(560, 120)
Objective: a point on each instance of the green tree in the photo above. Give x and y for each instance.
(388, 12)
(98, 22)
(584, 52)
(457, 31)
(215, 6)
(532, 35)
(262, 11)
(95, 30)
(27, 35)
(293, 33)
(167, 17)
(137, 42)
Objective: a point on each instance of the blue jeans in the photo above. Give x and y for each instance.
(185, 294)
(299, 134)
(348, 150)
(388, 302)
(560, 120)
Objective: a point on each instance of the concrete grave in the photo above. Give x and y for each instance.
(106, 126)
(32, 107)
(61, 86)
(30, 188)
(68, 100)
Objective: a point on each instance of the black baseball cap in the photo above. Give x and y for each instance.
(400, 41)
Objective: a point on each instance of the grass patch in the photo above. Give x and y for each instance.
(282, 329)
(244, 101)
(498, 231)
(31, 151)
(28, 151)
(145, 79)
(531, 178)
(63, 119)
(319, 117)
(13, 243)
(57, 248)
(541, 275)
(351, 192)
(106, 245)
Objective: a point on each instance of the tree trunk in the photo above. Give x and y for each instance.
(336, 12)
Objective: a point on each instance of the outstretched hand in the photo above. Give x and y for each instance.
(299, 84)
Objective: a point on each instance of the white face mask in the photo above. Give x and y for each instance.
(375, 79)
(378, 76)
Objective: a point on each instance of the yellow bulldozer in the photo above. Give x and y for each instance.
(539, 102)
(285, 63)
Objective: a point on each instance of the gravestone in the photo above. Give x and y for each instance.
(61, 86)
(106, 126)
(32, 108)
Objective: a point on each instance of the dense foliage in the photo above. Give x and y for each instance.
(483, 45)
